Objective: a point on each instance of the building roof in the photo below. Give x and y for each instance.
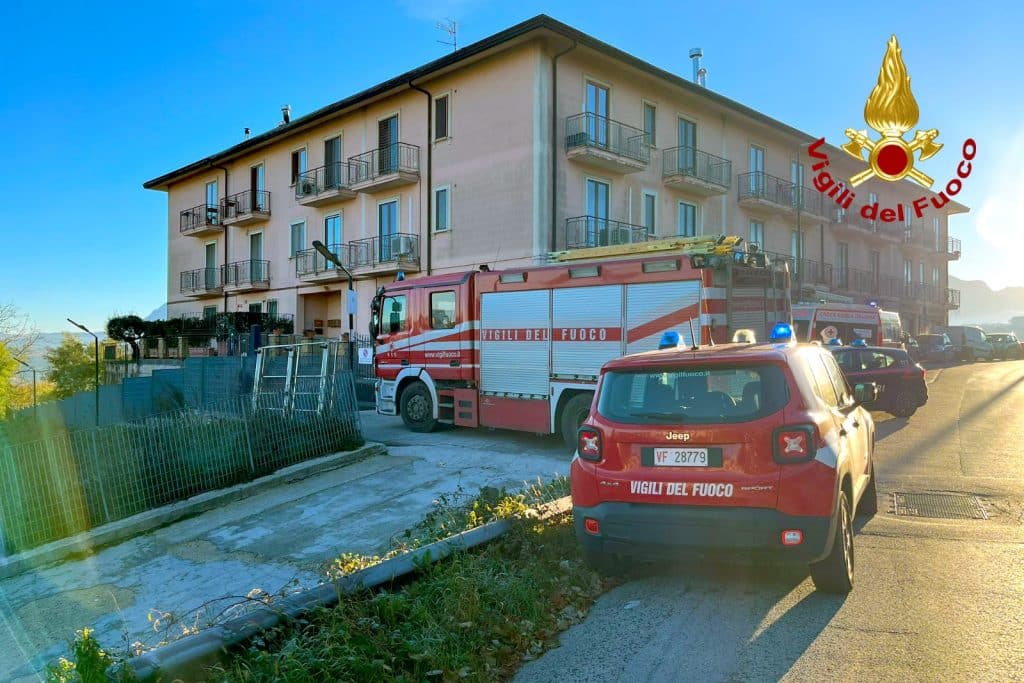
(539, 24)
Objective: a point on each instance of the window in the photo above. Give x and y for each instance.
(393, 314)
(756, 177)
(822, 382)
(387, 229)
(272, 308)
(442, 310)
(938, 233)
(298, 238)
(796, 243)
(838, 380)
(796, 176)
(442, 209)
(256, 307)
(649, 122)
(298, 163)
(333, 163)
(211, 202)
(650, 211)
(597, 233)
(920, 273)
(441, 117)
(843, 264)
(209, 312)
(332, 230)
(686, 158)
(935, 276)
(876, 360)
(875, 260)
(693, 394)
(757, 233)
(872, 199)
(908, 272)
(597, 110)
(686, 225)
(387, 143)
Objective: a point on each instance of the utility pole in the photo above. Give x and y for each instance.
(96, 343)
(35, 403)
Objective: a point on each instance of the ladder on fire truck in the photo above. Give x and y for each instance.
(709, 245)
(296, 378)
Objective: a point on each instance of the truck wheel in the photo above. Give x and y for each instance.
(868, 505)
(573, 415)
(417, 408)
(904, 404)
(834, 574)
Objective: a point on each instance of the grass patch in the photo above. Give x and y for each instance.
(474, 617)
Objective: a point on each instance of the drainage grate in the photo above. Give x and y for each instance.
(940, 505)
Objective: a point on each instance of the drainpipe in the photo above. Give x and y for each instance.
(554, 144)
(430, 171)
(225, 272)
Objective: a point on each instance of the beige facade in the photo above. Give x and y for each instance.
(476, 188)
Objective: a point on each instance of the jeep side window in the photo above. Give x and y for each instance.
(838, 380)
(822, 383)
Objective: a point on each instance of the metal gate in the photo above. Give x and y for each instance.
(298, 378)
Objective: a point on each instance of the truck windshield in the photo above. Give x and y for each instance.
(693, 394)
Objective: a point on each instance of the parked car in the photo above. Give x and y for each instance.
(1005, 345)
(970, 342)
(745, 450)
(900, 381)
(936, 348)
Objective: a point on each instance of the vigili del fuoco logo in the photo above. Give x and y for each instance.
(891, 111)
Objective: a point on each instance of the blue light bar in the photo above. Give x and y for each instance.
(782, 332)
(835, 341)
(669, 340)
(858, 342)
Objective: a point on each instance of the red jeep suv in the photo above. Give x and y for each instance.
(741, 449)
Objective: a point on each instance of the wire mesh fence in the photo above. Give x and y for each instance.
(74, 481)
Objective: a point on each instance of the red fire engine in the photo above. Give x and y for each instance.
(522, 348)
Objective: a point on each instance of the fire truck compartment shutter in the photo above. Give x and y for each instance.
(653, 308)
(514, 352)
(586, 329)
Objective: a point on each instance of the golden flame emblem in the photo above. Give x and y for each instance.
(892, 110)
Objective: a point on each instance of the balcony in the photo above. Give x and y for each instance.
(324, 185)
(311, 266)
(246, 276)
(606, 144)
(385, 168)
(200, 220)
(381, 255)
(809, 201)
(688, 168)
(953, 253)
(582, 232)
(952, 298)
(804, 272)
(865, 285)
(202, 282)
(246, 208)
(763, 191)
(876, 231)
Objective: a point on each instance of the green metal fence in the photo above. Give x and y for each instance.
(74, 481)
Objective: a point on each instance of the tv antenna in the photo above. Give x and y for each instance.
(451, 27)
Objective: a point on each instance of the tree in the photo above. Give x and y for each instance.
(7, 369)
(16, 331)
(128, 328)
(72, 367)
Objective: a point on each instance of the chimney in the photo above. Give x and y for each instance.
(247, 133)
(699, 72)
(286, 113)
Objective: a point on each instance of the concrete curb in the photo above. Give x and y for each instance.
(187, 658)
(123, 529)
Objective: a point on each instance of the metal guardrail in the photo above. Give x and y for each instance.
(201, 280)
(246, 273)
(245, 203)
(591, 130)
(690, 161)
(590, 231)
(202, 216)
(395, 158)
(325, 178)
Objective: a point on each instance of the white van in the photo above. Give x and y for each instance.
(847, 322)
(970, 342)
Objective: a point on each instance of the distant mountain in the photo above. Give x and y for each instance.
(980, 304)
(51, 340)
(159, 313)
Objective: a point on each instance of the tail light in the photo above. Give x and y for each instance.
(589, 443)
(795, 443)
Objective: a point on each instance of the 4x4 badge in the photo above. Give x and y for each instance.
(677, 436)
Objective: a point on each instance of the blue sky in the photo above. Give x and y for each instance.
(97, 98)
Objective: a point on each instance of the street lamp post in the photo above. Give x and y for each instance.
(96, 347)
(326, 253)
(35, 403)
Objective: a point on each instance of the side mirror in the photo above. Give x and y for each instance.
(865, 394)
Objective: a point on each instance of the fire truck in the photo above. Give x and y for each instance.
(522, 348)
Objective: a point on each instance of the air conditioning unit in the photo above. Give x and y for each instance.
(305, 186)
(402, 247)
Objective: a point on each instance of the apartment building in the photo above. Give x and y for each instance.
(536, 139)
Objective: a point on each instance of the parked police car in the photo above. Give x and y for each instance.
(741, 448)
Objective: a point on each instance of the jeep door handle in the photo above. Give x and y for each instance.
(856, 424)
(842, 431)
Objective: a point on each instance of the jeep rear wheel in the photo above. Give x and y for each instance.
(573, 415)
(417, 408)
(834, 574)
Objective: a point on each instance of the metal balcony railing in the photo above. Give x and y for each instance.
(590, 231)
(200, 280)
(807, 200)
(325, 178)
(198, 217)
(880, 228)
(246, 273)
(953, 249)
(310, 262)
(395, 158)
(805, 271)
(591, 130)
(953, 298)
(759, 185)
(690, 161)
(374, 251)
(245, 203)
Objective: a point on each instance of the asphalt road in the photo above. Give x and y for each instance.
(935, 599)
